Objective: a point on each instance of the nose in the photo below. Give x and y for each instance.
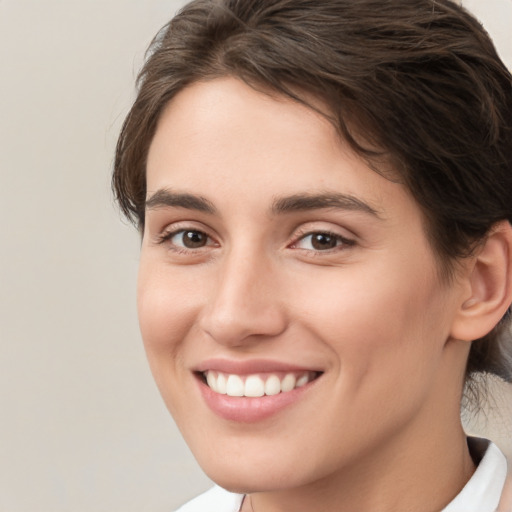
(244, 306)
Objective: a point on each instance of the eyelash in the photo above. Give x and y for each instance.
(166, 237)
(341, 241)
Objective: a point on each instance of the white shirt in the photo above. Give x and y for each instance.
(483, 491)
(481, 494)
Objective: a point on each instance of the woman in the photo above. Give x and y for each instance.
(324, 193)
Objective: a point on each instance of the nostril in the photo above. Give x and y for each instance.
(242, 307)
(243, 327)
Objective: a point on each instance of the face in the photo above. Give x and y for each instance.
(288, 297)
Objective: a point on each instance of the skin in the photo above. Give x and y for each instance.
(379, 429)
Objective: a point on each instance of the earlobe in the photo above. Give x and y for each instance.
(489, 281)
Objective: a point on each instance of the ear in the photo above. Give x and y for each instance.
(488, 293)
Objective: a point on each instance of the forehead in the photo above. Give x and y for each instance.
(206, 112)
(226, 137)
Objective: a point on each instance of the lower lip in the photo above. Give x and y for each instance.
(248, 409)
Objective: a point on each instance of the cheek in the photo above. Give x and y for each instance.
(165, 318)
(385, 333)
(165, 304)
(385, 323)
(155, 309)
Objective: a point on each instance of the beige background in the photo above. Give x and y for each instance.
(82, 427)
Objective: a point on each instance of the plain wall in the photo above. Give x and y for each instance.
(82, 427)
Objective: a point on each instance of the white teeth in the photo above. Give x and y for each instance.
(255, 385)
(273, 385)
(302, 381)
(288, 383)
(221, 384)
(211, 381)
(235, 386)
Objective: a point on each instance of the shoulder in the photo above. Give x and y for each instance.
(214, 500)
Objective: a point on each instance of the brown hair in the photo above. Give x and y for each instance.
(420, 79)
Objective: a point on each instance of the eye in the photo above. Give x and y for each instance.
(187, 239)
(321, 241)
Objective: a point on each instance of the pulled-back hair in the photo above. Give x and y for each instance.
(413, 83)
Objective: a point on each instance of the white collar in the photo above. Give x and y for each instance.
(483, 491)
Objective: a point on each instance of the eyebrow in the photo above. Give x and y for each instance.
(305, 202)
(298, 202)
(166, 198)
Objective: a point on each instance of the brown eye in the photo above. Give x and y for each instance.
(187, 239)
(323, 241)
(192, 239)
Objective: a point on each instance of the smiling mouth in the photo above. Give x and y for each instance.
(256, 385)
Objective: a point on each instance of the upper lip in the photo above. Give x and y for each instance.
(249, 366)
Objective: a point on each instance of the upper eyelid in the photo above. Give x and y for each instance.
(170, 230)
(184, 225)
(310, 228)
(299, 232)
(169, 233)
(344, 239)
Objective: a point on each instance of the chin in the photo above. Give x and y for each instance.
(247, 479)
(263, 467)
